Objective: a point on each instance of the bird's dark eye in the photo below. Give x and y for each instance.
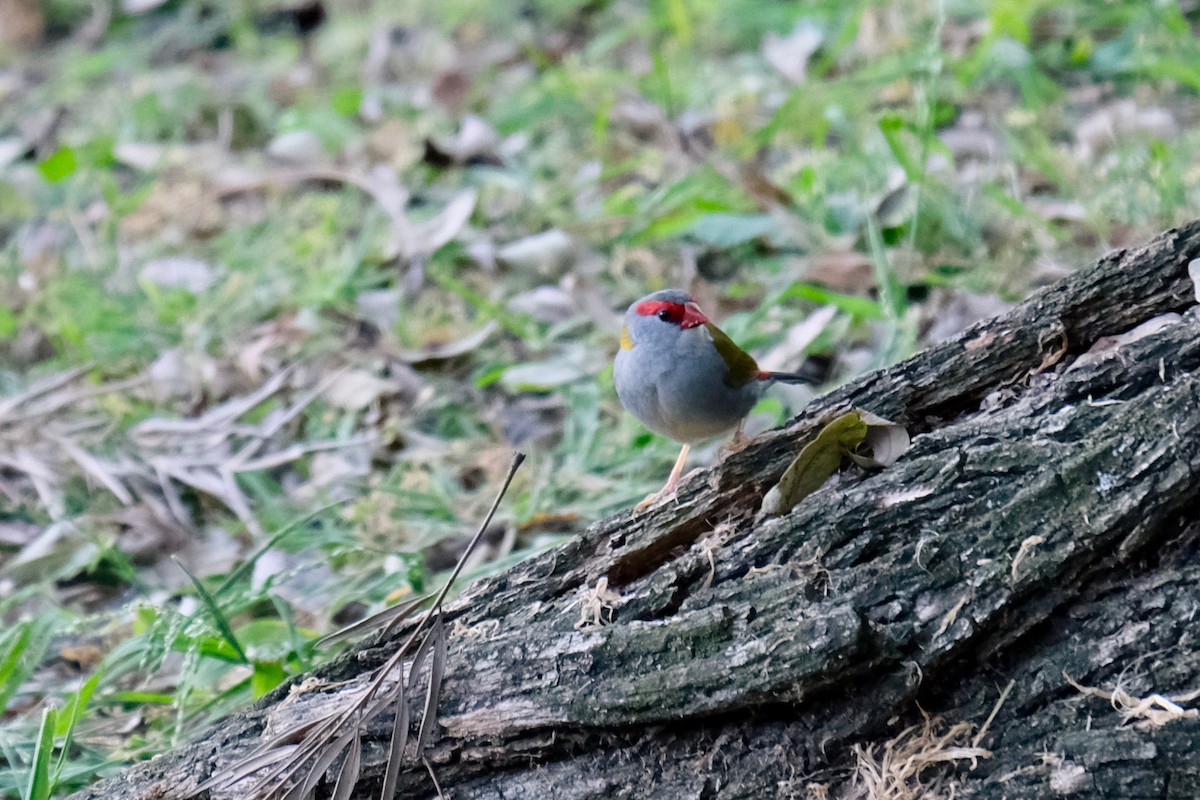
(664, 315)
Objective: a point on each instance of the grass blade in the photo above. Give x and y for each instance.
(71, 714)
(40, 781)
(11, 675)
(246, 566)
(218, 618)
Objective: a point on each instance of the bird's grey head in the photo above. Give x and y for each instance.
(665, 312)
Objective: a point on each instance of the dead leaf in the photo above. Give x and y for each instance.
(84, 656)
(416, 241)
(383, 184)
(60, 549)
(144, 156)
(441, 351)
(898, 205)
(545, 303)
(354, 390)
(179, 272)
(475, 142)
(546, 252)
(845, 436)
(451, 87)
(330, 469)
(283, 332)
(140, 6)
(22, 22)
(11, 148)
(430, 235)
(302, 148)
(789, 55)
(1110, 123)
(542, 376)
(380, 307)
(17, 533)
(818, 460)
(883, 445)
(786, 354)
(843, 271)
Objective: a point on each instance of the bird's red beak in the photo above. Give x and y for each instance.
(692, 316)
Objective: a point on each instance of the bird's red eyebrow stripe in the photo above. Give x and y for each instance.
(685, 315)
(648, 308)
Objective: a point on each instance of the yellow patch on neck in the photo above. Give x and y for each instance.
(626, 339)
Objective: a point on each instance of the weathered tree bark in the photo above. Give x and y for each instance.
(1043, 524)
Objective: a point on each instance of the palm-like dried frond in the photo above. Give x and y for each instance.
(293, 763)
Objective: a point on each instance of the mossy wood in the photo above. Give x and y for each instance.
(1044, 524)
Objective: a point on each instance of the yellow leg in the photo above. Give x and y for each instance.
(672, 481)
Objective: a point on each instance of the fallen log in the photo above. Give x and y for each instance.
(1008, 611)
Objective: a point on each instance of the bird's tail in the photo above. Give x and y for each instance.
(813, 371)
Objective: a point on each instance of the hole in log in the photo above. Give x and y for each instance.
(666, 548)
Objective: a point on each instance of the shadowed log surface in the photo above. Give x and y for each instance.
(1043, 524)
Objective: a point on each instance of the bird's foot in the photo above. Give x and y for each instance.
(736, 444)
(651, 499)
(672, 482)
(668, 492)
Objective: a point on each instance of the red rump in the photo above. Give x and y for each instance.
(685, 315)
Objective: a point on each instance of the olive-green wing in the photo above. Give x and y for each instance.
(742, 366)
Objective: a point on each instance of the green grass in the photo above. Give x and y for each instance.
(933, 149)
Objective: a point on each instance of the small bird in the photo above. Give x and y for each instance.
(683, 377)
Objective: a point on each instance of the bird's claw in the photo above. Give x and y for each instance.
(736, 443)
(651, 499)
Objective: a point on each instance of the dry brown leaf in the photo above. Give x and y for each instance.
(845, 271)
(544, 253)
(354, 390)
(884, 443)
(179, 272)
(950, 313)
(789, 54)
(1110, 123)
(476, 142)
(546, 303)
(441, 351)
(786, 354)
(22, 22)
(416, 241)
(300, 148)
